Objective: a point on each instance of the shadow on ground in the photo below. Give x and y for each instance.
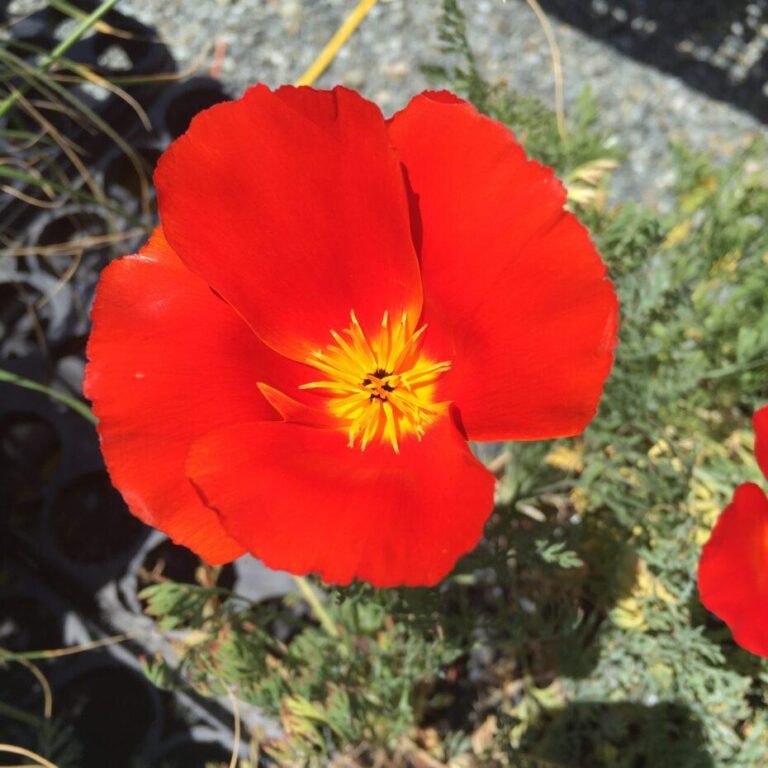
(716, 47)
(600, 735)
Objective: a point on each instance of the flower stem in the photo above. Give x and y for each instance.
(309, 594)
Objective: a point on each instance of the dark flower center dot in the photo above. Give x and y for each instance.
(379, 374)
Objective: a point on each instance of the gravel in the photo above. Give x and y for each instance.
(643, 108)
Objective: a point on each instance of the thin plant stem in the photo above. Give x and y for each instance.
(76, 405)
(557, 64)
(238, 725)
(318, 609)
(77, 13)
(51, 58)
(44, 685)
(40, 760)
(8, 710)
(71, 650)
(343, 33)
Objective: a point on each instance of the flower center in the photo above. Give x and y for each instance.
(379, 388)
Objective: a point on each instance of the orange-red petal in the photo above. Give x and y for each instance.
(170, 361)
(296, 412)
(760, 425)
(300, 500)
(511, 280)
(291, 205)
(733, 571)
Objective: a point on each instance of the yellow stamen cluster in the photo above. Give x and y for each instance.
(380, 388)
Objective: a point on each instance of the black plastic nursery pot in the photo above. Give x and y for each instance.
(72, 559)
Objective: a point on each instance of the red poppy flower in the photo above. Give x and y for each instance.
(334, 304)
(733, 570)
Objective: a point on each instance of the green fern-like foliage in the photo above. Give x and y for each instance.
(573, 635)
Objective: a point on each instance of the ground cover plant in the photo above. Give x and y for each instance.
(573, 635)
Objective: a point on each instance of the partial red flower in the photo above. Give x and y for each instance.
(333, 305)
(733, 571)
